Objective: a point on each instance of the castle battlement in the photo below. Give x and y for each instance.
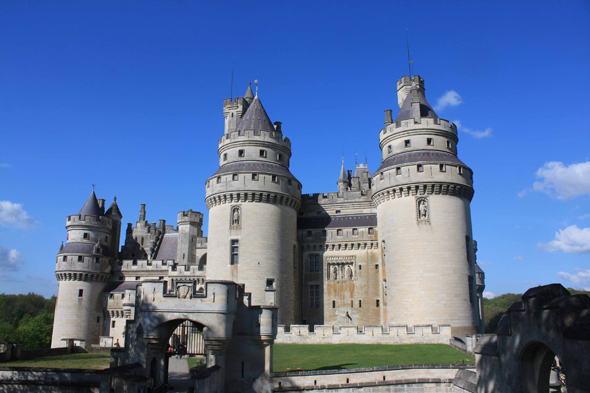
(411, 125)
(189, 216)
(78, 219)
(166, 267)
(248, 135)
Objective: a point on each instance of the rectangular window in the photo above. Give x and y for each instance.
(377, 267)
(113, 324)
(449, 145)
(96, 260)
(442, 167)
(339, 232)
(389, 149)
(420, 168)
(262, 153)
(80, 258)
(224, 156)
(275, 178)
(80, 293)
(111, 296)
(255, 176)
(234, 177)
(97, 319)
(86, 236)
(324, 233)
(377, 305)
(314, 296)
(355, 231)
(338, 211)
(309, 233)
(235, 245)
(279, 157)
(270, 283)
(314, 263)
(371, 231)
(64, 258)
(407, 143)
(381, 176)
(241, 153)
(430, 141)
(398, 171)
(470, 283)
(360, 303)
(289, 181)
(333, 303)
(218, 179)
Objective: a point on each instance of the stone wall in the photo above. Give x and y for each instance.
(410, 378)
(37, 379)
(328, 334)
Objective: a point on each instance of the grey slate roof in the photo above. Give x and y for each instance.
(478, 269)
(420, 156)
(169, 247)
(249, 94)
(359, 220)
(405, 111)
(121, 286)
(254, 166)
(114, 210)
(83, 249)
(343, 178)
(255, 119)
(91, 207)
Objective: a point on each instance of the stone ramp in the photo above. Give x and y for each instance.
(178, 375)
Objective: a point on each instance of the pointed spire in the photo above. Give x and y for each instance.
(114, 209)
(255, 119)
(91, 207)
(249, 96)
(343, 178)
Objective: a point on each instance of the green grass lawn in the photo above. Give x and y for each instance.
(195, 361)
(339, 356)
(96, 361)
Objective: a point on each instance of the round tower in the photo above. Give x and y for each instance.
(82, 269)
(253, 201)
(422, 192)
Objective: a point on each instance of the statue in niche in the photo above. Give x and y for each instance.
(349, 272)
(423, 209)
(335, 272)
(184, 291)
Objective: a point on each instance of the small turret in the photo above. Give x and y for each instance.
(189, 229)
(343, 182)
(115, 214)
(249, 96)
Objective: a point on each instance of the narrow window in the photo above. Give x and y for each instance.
(360, 267)
(80, 258)
(275, 179)
(64, 258)
(279, 157)
(113, 324)
(218, 179)
(80, 293)
(314, 263)
(241, 153)
(106, 239)
(449, 145)
(430, 141)
(338, 211)
(262, 153)
(96, 260)
(255, 176)
(460, 169)
(371, 231)
(420, 168)
(339, 232)
(234, 177)
(355, 231)
(309, 233)
(377, 303)
(389, 149)
(442, 167)
(351, 303)
(377, 267)
(314, 296)
(398, 171)
(207, 183)
(333, 303)
(360, 303)
(407, 143)
(224, 156)
(381, 176)
(86, 236)
(289, 181)
(97, 319)
(235, 244)
(270, 283)
(324, 233)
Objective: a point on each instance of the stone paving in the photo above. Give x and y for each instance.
(178, 375)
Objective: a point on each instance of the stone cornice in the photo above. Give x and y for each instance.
(82, 276)
(451, 189)
(253, 196)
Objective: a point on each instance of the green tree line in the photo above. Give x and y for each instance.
(27, 319)
(495, 308)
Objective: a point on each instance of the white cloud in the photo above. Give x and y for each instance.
(12, 214)
(564, 182)
(10, 259)
(571, 239)
(579, 279)
(585, 216)
(450, 98)
(482, 263)
(475, 134)
(5, 165)
(522, 194)
(489, 295)
(517, 258)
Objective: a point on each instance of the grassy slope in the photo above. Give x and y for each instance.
(96, 361)
(339, 356)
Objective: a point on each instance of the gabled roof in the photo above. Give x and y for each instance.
(114, 209)
(405, 111)
(91, 207)
(255, 119)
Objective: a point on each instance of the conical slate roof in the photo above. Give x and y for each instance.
(249, 94)
(405, 111)
(343, 178)
(91, 207)
(255, 119)
(114, 209)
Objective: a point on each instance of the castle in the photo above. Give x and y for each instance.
(393, 248)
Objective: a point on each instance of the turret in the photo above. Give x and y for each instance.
(253, 201)
(343, 182)
(82, 269)
(189, 230)
(115, 215)
(419, 185)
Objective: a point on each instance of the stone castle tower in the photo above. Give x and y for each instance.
(253, 201)
(422, 193)
(83, 269)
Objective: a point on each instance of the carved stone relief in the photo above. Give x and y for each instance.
(235, 217)
(341, 268)
(184, 291)
(422, 210)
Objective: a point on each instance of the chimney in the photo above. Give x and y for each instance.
(388, 118)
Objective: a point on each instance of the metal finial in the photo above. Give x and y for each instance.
(410, 62)
(115, 198)
(256, 81)
(93, 187)
(356, 161)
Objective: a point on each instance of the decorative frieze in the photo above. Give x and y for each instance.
(81, 276)
(341, 268)
(249, 197)
(450, 189)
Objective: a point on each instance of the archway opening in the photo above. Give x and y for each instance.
(541, 370)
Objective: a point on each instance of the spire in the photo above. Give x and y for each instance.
(114, 209)
(249, 96)
(91, 207)
(343, 178)
(255, 119)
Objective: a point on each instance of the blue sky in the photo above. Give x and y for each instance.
(128, 95)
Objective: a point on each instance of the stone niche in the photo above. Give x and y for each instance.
(341, 269)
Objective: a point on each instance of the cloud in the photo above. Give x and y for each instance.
(475, 134)
(563, 182)
(517, 258)
(532, 283)
(10, 259)
(12, 214)
(585, 216)
(579, 279)
(450, 98)
(482, 263)
(522, 194)
(571, 239)
(5, 165)
(489, 295)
